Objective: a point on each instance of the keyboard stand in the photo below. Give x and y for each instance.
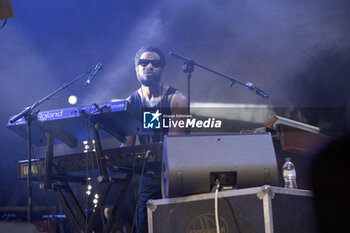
(81, 221)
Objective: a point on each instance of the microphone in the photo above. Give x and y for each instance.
(251, 87)
(93, 73)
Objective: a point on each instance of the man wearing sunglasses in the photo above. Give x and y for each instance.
(153, 94)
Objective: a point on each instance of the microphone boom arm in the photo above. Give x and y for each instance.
(29, 109)
(232, 81)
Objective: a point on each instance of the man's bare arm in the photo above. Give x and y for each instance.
(178, 106)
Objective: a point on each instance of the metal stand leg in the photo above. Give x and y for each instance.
(97, 211)
(103, 178)
(48, 162)
(117, 203)
(68, 210)
(29, 177)
(75, 213)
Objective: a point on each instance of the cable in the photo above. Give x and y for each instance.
(89, 180)
(86, 199)
(137, 200)
(216, 207)
(90, 156)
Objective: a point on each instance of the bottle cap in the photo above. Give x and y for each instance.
(287, 159)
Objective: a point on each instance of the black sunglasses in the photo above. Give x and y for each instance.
(155, 63)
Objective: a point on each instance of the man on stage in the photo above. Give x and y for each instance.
(153, 94)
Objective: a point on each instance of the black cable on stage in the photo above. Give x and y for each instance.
(88, 154)
(94, 176)
(139, 188)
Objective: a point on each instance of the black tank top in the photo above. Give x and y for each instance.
(164, 108)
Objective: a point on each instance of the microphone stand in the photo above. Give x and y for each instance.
(27, 113)
(188, 69)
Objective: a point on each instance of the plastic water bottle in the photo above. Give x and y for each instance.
(289, 174)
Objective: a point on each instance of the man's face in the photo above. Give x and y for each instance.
(149, 70)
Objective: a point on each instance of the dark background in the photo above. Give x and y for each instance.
(297, 51)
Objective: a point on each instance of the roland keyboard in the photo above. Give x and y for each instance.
(69, 125)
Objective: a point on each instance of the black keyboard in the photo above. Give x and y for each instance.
(117, 157)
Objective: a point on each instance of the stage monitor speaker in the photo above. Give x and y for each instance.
(17, 227)
(193, 164)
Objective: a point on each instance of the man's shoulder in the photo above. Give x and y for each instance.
(133, 95)
(178, 100)
(179, 94)
(173, 90)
